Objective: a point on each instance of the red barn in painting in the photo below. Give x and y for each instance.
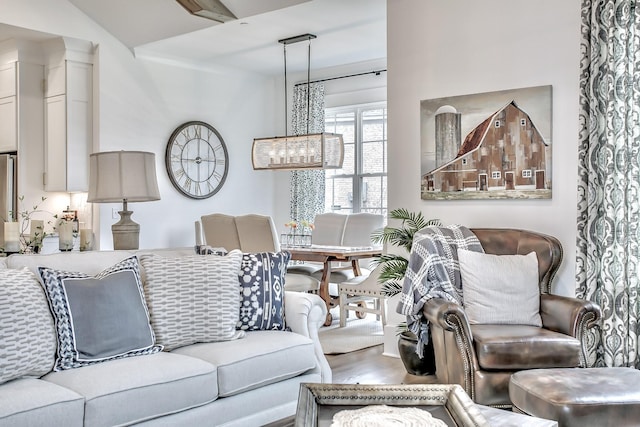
(505, 152)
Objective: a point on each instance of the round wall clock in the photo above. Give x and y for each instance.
(197, 160)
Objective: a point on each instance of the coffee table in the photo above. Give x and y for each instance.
(317, 403)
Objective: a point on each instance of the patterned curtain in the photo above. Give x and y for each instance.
(307, 186)
(608, 252)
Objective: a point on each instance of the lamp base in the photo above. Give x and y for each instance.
(126, 232)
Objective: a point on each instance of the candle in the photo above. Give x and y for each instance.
(86, 239)
(11, 237)
(198, 234)
(65, 236)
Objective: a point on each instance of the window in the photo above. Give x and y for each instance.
(497, 123)
(361, 184)
(464, 162)
(526, 173)
(495, 175)
(523, 122)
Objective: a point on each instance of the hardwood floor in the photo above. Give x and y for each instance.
(369, 366)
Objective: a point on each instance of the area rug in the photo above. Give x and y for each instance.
(356, 335)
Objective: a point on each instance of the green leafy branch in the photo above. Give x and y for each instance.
(395, 266)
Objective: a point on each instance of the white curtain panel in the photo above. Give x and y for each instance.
(608, 238)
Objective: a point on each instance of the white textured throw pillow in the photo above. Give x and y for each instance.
(27, 333)
(500, 289)
(193, 298)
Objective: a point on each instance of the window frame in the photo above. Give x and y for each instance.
(358, 177)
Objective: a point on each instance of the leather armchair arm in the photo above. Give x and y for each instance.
(568, 315)
(441, 313)
(571, 316)
(455, 356)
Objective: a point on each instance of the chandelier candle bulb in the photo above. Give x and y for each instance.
(11, 237)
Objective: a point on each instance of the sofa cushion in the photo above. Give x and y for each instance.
(262, 277)
(27, 334)
(261, 358)
(33, 402)
(99, 318)
(193, 298)
(500, 289)
(125, 391)
(513, 347)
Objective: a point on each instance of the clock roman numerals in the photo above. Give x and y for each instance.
(196, 159)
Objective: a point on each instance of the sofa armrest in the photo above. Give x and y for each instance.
(305, 313)
(570, 316)
(441, 312)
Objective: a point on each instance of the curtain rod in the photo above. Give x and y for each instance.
(376, 72)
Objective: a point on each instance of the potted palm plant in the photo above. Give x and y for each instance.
(391, 276)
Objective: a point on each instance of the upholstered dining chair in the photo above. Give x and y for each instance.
(356, 295)
(328, 231)
(358, 228)
(219, 230)
(482, 356)
(252, 233)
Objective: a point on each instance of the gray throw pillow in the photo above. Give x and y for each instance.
(99, 318)
(27, 335)
(500, 289)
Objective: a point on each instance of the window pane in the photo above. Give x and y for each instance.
(361, 184)
(373, 125)
(349, 165)
(342, 195)
(373, 157)
(374, 193)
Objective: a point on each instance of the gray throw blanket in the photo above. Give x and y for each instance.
(433, 272)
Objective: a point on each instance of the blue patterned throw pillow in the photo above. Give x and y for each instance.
(99, 318)
(262, 291)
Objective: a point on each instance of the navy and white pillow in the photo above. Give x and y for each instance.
(99, 318)
(210, 250)
(262, 277)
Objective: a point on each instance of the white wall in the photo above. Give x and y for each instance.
(440, 48)
(140, 103)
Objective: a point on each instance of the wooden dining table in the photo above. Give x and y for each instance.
(327, 255)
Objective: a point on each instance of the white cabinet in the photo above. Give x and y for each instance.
(8, 108)
(20, 104)
(8, 124)
(68, 124)
(8, 80)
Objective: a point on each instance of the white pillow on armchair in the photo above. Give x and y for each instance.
(500, 289)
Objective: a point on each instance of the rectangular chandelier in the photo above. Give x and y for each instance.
(310, 151)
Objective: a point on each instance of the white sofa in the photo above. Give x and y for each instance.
(245, 382)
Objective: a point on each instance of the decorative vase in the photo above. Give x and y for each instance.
(407, 343)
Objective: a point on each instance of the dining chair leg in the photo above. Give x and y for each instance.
(343, 310)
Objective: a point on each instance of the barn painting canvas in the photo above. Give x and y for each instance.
(494, 145)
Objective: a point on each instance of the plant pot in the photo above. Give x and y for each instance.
(407, 343)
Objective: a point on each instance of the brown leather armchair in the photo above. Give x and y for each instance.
(481, 358)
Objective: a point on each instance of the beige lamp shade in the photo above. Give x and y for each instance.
(123, 176)
(116, 176)
(310, 151)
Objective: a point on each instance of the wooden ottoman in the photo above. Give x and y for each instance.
(579, 396)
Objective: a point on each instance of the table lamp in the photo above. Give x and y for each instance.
(123, 176)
